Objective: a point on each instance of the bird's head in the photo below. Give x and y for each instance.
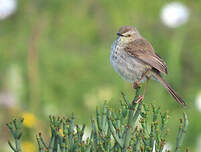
(128, 33)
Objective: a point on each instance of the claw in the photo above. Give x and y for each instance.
(136, 85)
(140, 98)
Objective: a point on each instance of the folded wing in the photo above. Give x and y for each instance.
(143, 50)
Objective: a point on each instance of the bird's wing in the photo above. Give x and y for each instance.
(143, 50)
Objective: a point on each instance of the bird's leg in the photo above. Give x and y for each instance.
(146, 84)
(136, 85)
(140, 98)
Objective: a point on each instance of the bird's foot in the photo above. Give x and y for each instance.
(140, 98)
(136, 85)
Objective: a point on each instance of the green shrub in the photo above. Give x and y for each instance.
(127, 130)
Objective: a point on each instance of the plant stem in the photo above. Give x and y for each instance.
(132, 117)
(182, 131)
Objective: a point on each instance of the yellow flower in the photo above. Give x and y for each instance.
(61, 132)
(29, 119)
(28, 146)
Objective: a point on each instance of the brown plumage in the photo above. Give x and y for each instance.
(171, 91)
(134, 59)
(143, 50)
(125, 29)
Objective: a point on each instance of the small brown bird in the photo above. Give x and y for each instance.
(135, 60)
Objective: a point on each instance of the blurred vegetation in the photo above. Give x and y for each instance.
(54, 59)
(127, 130)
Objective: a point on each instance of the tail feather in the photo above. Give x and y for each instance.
(170, 90)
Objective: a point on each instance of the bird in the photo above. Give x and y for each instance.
(136, 61)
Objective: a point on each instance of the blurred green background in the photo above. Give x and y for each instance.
(54, 59)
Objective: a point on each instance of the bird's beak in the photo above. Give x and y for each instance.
(119, 34)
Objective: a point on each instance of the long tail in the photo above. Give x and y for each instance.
(170, 89)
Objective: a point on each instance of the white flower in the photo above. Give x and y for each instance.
(174, 14)
(154, 149)
(7, 8)
(198, 101)
(87, 133)
(167, 147)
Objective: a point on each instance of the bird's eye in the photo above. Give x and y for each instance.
(128, 35)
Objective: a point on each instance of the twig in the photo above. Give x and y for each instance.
(15, 128)
(181, 132)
